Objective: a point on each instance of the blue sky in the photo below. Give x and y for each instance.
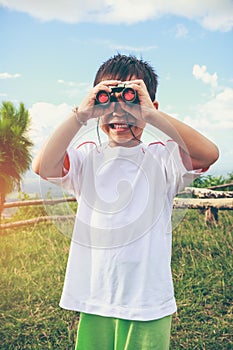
(51, 50)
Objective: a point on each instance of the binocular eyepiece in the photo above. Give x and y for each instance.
(128, 95)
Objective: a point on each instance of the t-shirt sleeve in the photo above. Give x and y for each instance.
(176, 174)
(183, 176)
(73, 168)
(71, 172)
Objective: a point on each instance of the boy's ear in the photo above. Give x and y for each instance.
(156, 104)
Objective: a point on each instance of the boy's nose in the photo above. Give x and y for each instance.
(118, 111)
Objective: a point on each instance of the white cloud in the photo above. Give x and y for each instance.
(200, 72)
(214, 119)
(217, 112)
(119, 47)
(74, 89)
(220, 109)
(45, 117)
(181, 31)
(73, 84)
(211, 14)
(218, 21)
(215, 115)
(133, 48)
(9, 75)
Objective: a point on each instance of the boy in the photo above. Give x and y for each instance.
(118, 274)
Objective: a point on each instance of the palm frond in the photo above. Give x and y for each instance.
(15, 146)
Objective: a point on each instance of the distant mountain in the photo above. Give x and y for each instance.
(33, 186)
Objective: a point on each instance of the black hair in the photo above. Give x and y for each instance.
(124, 67)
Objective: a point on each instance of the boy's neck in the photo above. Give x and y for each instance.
(130, 143)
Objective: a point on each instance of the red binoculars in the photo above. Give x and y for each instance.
(128, 95)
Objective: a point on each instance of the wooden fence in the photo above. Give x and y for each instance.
(207, 200)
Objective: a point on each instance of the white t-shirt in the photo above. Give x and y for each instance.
(120, 253)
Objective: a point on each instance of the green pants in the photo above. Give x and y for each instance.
(106, 333)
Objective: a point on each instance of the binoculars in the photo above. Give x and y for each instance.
(128, 95)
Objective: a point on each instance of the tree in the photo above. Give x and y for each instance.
(210, 181)
(15, 145)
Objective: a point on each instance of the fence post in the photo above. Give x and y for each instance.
(211, 216)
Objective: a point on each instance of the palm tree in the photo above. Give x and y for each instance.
(15, 157)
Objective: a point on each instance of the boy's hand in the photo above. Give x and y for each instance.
(88, 109)
(142, 110)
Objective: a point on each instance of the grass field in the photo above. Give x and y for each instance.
(33, 262)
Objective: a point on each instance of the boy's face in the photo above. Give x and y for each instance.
(122, 128)
(117, 126)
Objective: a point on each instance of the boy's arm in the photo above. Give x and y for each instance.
(49, 160)
(197, 151)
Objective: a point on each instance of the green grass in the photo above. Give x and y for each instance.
(32, 269)
(33, 262)
(202, 270)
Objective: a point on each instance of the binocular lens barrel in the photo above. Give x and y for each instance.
(102, 97)
(128, 94)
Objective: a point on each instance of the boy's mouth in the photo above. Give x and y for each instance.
(120, 126)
